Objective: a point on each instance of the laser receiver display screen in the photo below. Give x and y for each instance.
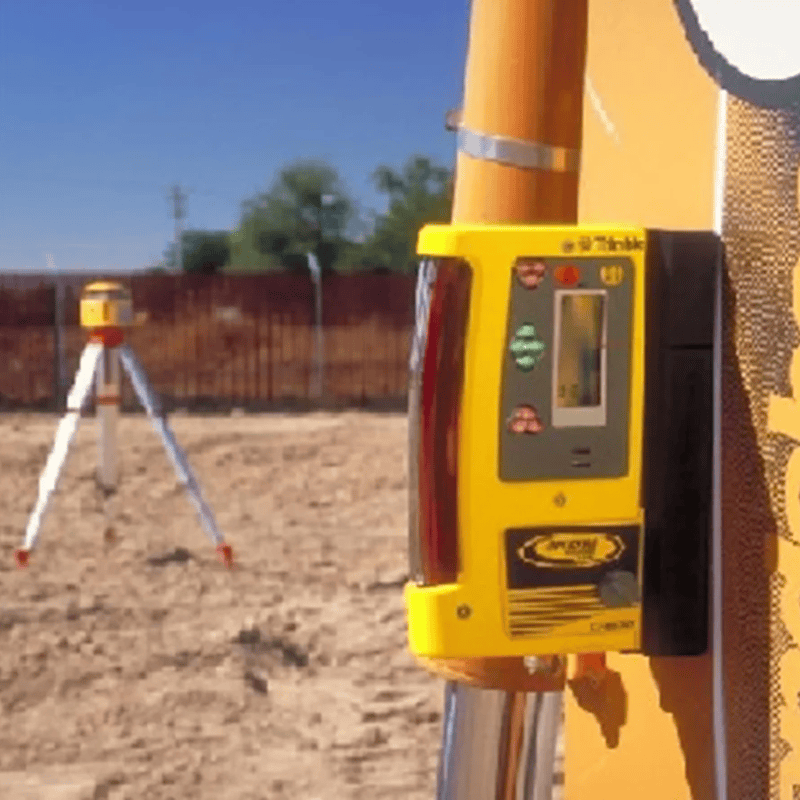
(580, 358)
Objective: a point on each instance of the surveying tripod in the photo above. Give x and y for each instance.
(106, 309)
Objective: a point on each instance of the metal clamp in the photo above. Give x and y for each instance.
(518, 152)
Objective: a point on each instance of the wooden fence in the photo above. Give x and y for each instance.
(218, 341)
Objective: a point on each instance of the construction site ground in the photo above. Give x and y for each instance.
(143, 670)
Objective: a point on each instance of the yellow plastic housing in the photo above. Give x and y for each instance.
(469, 618)
(105, 304)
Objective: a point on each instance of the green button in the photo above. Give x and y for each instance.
(526, 348)
(526, 362)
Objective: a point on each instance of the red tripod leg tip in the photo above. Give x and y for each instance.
(226, 553)
(22, 557)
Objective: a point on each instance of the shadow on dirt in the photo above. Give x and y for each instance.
(251, 640)
(180, 555)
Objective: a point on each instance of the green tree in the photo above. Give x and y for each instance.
(305, 210)
(205, 252)
(421, 193)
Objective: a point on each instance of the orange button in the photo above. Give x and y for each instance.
(567, 274)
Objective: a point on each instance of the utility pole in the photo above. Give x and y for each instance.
(178, 197)
(59, 349)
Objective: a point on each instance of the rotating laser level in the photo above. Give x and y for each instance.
(106, 309)
(105, 304)
(560, 423)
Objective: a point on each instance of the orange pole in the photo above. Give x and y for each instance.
(524, 82)
(523, 95)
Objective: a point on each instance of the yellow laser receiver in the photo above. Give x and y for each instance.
(547, 436)
(105, 304)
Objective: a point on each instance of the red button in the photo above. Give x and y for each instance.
(567, 274)
(530, 272)
(525, 419)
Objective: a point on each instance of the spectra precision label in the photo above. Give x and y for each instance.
(572, 580)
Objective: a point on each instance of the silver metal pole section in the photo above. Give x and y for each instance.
(152, 406)
(473, 734)
(537, 766)
(316, 277)
(59, 356)
(498, 745)
(718, 666)
(65, 433)
(320, 342)
(107, 394)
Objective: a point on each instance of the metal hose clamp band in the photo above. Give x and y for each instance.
(518, 152)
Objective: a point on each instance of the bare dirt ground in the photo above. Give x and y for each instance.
(146, 670)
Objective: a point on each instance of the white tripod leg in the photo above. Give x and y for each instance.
(152, 406)
(57, 457)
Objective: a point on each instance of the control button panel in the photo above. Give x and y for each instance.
(566, 372)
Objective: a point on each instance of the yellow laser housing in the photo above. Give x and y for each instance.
(525, 537)
(542, 518)
(105, 304)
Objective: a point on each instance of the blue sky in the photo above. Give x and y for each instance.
(105, 105)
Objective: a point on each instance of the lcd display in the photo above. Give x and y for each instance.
(579, 396)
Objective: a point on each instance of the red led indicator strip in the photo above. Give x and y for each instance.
(440, 405)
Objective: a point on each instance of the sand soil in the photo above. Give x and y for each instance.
(145, 670)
